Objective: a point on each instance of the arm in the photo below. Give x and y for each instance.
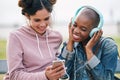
(68, 57)
(67, 52)
(104, 69)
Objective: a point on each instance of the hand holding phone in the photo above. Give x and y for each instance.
(61, 62)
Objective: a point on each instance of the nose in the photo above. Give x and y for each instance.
(42, 24)
(76, 30)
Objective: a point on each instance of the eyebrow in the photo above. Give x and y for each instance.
(43, 19)
(47, 18)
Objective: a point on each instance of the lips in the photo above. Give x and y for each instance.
(76, 37)
(41, 29)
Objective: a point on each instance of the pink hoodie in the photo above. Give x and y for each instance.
(30, 53)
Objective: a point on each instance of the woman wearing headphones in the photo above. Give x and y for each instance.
(89, 56)
(32, 48)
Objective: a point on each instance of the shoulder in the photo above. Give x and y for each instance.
(16, 32)
(13, 36)
(55, 34)
(108, 43)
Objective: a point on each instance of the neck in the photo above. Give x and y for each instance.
(38, 32)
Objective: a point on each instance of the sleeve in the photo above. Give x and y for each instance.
(104, 68)
(16, 68)
(68, 57)
(94, 61)
(59, 42)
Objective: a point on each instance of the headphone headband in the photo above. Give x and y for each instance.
(100, 15)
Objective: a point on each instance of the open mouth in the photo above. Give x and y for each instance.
(76, 37)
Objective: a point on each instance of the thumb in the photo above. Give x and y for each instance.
(48, 68)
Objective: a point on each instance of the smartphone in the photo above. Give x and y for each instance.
(57, 63)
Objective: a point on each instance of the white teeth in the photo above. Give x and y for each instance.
(75, 36)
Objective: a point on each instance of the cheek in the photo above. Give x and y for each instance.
(84, 35)
(33, 23)
(48, 23)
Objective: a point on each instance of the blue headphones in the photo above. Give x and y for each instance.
(94, 29)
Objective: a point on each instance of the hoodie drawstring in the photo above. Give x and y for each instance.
(40, 52)
(48, 44)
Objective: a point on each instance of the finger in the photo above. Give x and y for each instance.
(58, 68)
(48, 68)
(101, 32)
(94, 36)
(59, 73)
(70, 24)
(98, 35)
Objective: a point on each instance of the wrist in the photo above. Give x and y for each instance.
(89, 54)
(71, 41)
(69, 46)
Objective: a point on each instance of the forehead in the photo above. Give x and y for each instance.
(41, 14)
(84, 20)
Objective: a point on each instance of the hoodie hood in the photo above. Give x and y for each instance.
(32, 32)
(49, 39)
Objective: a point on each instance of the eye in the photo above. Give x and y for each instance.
(75, 25)
(47, 18)
(83, 29)
(36, 20)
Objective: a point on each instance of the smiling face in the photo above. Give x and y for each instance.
(40, 21)
(84, 23)
(82, 28)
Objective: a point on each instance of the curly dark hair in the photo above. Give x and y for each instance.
(32, 6)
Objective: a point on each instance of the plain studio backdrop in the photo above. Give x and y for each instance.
(11, 17)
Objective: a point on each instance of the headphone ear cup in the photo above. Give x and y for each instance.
(93, 31)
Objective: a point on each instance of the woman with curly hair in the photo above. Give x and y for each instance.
(32, 48)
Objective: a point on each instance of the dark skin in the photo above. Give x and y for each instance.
(79, 32)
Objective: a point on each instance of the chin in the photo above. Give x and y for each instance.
(76, 40)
